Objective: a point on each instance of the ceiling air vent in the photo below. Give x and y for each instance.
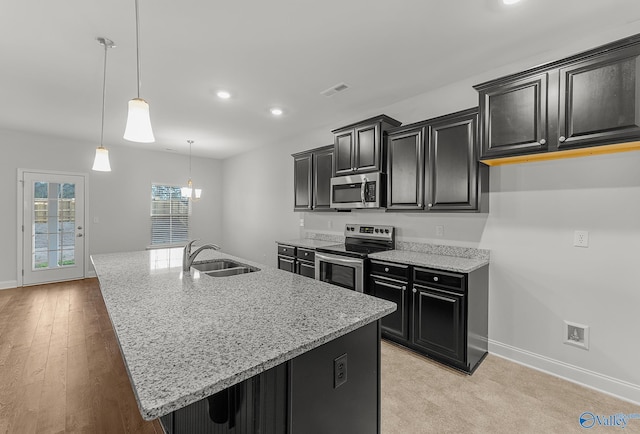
(334, 89)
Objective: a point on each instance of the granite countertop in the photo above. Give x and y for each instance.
(308, 243)
(185, 337)
(432, 260)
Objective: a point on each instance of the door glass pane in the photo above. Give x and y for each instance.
(53, 231)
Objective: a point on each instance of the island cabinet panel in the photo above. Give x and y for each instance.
(589, 99)
(302, 395)
(359, 147)
(320, 403)
(312, 172)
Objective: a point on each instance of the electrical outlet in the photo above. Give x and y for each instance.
(576, 335)
(329, 224)
(581, 238)
(340, 371)
(439, 231)
(302, 223)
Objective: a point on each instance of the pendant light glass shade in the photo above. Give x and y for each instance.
(101, 162)
(138, 127)
(138, 122)
(193, 194)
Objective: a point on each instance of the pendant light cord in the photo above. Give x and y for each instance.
(138, 46)
(190, 143)
(104, 91)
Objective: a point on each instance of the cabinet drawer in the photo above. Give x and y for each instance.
(389, 269)
(285, 250)
(306, 254)
(439, 278)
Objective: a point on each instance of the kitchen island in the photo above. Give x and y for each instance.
(265, 351)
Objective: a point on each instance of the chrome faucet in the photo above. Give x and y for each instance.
(188, 257)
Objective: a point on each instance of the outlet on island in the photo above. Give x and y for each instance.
(340, 371)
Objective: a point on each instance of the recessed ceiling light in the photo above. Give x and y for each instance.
(510, 2)
(276, 111)
(223, 94)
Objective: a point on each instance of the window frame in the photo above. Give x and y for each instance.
(152, 216)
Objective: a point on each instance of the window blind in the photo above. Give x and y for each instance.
(169, 215)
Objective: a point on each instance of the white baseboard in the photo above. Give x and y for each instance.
(603, 383)
(8, 284)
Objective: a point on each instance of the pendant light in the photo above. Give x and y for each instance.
(138, 127)
(193, 194)
(101, 161)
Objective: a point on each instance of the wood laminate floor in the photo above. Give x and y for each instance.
(61, 371)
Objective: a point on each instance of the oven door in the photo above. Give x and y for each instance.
(340, 270)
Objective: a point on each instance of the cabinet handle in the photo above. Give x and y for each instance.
(435, 278)
(543, 141)
(306, 254)
(429, 205)
(404, 288)
(386, 269)
(562, 139)
(414, 290)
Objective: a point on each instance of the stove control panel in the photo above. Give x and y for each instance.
(369, 231)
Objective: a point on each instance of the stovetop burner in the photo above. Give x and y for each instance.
(362, 240)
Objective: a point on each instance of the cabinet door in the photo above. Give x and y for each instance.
(396, 323)
(600, 100)
(514, 117)
(367, 148)
(322, 173)
(302, 176)
(344, 148)
(452, 167)
(287, 264)
(439, 322)
(405, 170)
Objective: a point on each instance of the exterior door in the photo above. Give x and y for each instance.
(53, 227)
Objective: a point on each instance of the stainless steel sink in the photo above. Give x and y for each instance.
(215, 264)
(223, 267)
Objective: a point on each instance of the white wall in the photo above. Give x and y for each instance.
(119, 199)
(537, 278)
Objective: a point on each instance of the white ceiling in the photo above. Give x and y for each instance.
(278, 52)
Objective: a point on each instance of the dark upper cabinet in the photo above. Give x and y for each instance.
(600, 100)
(322, 173)
(433, 165)
(590, 99)
(454, 180)
(514, 117)
(302, 181)
(312, 178)
(359, 147)
(405, 169)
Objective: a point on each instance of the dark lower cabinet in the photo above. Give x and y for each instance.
(444, 315)
(439, 322)
(297, 260)
(306, 394)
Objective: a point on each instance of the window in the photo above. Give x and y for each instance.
(169, 215)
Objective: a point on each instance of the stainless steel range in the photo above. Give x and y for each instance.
(345, 264)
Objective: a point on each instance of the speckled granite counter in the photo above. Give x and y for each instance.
(184, 338)
(448, 258)
(308, 243)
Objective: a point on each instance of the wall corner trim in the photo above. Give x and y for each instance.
(593, 380)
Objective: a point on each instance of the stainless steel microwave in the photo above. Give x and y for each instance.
(365, 190)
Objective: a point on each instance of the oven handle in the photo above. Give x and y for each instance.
(337, 259)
